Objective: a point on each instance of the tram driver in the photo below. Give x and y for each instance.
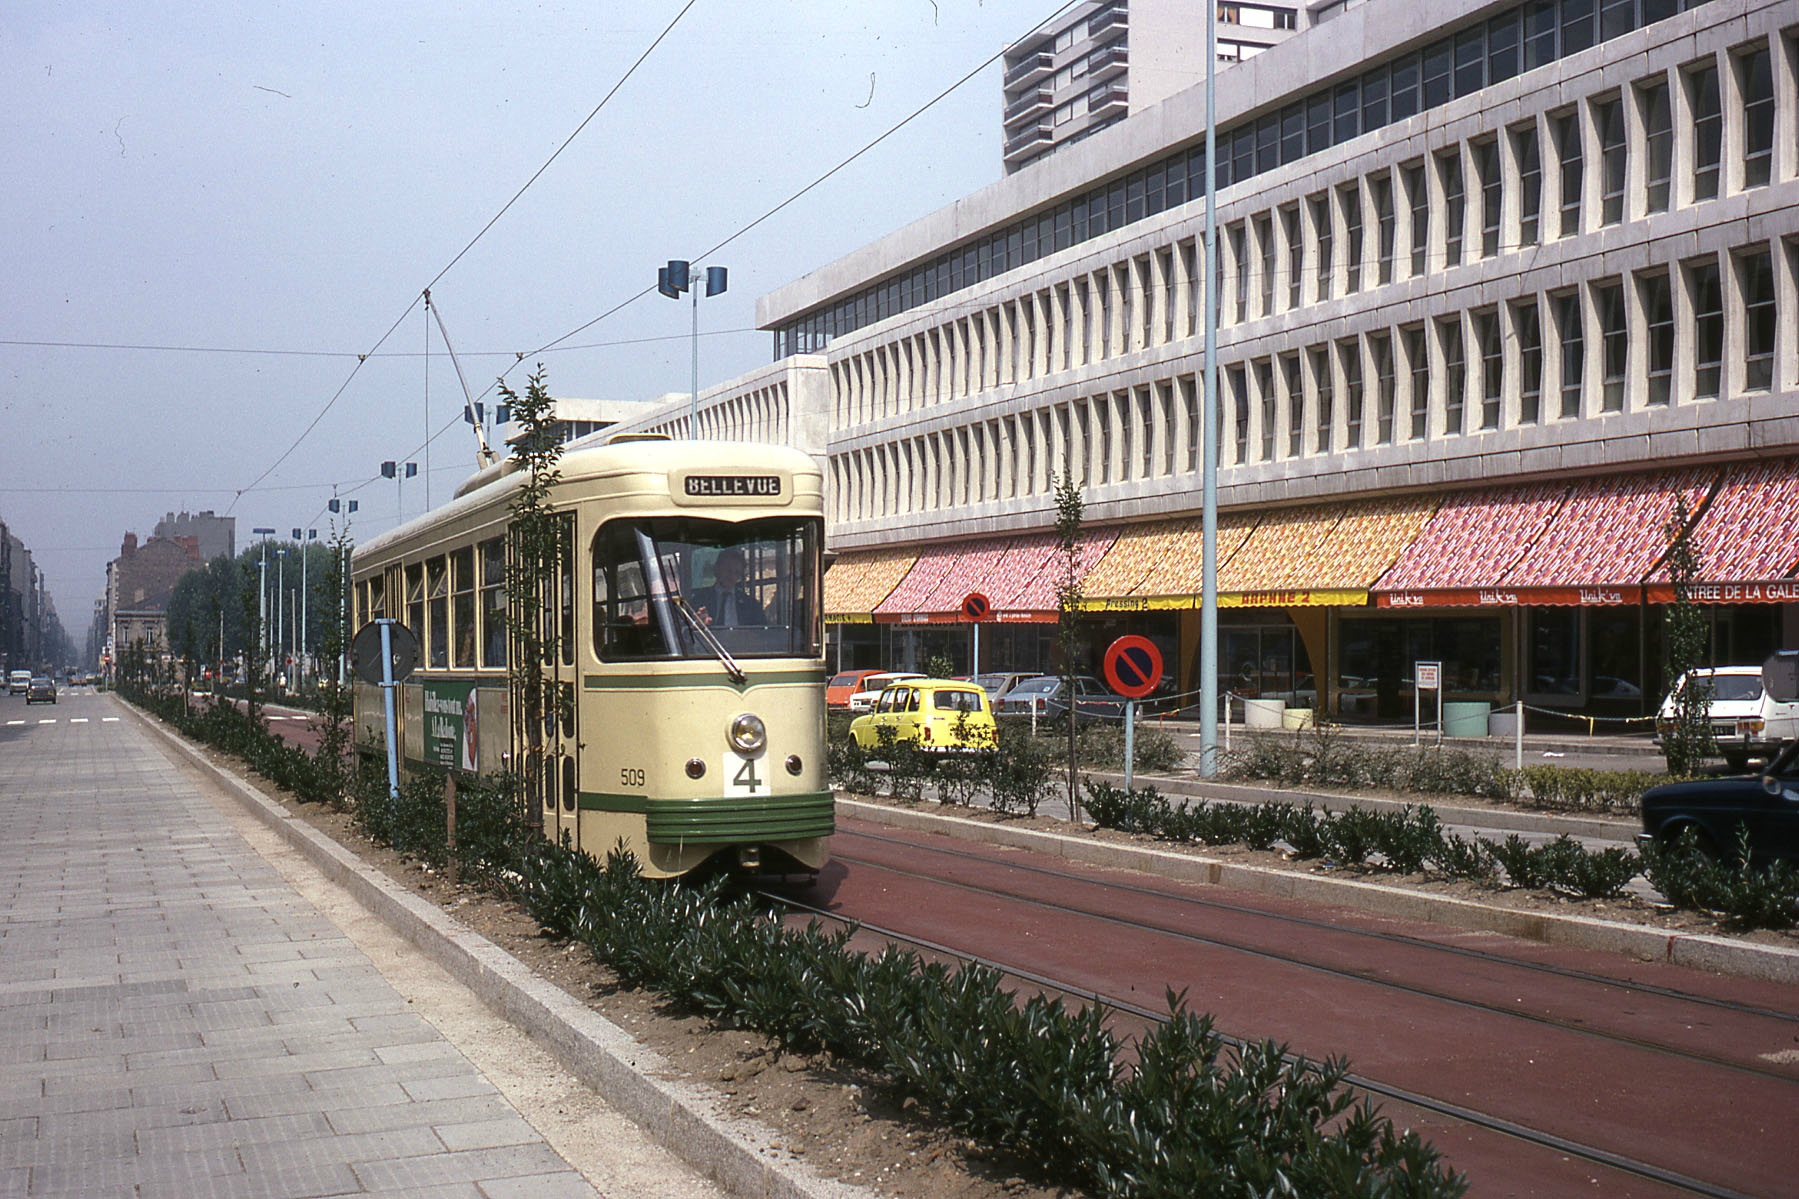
(728, 603)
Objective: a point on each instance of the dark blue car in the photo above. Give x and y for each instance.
(1767, 804)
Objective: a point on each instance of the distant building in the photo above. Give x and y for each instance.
(583, 418)
(21, 605)
(1101, 61)
(139, 583)
(216, 534)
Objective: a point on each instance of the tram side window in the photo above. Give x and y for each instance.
(462, 607)
(374, 599)
(493, 603)
(437, 617)
(415, 601)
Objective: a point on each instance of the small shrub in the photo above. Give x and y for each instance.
(1523, 865)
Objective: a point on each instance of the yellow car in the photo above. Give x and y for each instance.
(941, 716)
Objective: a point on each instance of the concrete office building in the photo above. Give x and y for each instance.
(1502, 288)
(1100, 61)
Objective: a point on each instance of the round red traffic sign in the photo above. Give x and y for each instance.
(1133, 666)
(975, 607)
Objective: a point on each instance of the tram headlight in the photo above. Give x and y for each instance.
(747, 733)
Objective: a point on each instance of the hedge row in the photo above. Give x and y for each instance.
(1049, 1084)
(1412, 841)
(1323, 758)
(1189, 1114)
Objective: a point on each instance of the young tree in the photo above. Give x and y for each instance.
(1686, 641)
(1069, 508)
(540, 544)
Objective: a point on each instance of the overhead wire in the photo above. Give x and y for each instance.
(363, 358)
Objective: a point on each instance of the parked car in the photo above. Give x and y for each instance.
(998, 686)
(844, 684)
(41, 690)
(1746, 721)
(872, 686)
(939, 715)
(18, 682)
(1714, 808)
(1044, 696)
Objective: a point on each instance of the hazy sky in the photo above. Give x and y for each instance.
(252, 194)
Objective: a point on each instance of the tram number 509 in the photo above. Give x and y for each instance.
(630, 777)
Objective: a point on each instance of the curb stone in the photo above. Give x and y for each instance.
(686, 1119)
(1699, 951)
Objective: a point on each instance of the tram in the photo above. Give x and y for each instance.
(687, 717)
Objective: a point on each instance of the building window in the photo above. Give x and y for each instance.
(1486, 164)
(1567, 147)
(1577, 26)
(1658, 145)
(1708, 131)
(1351, 199)
(1321, 229)
(1529, 331)
(1492, 367)
(1449, 168)
(1418, 197)
(1755, 75)
(1756, 271)
(1382, 188)
(1296, 253)
(1322, 381)
(1657, 296)
(1239, 381)
(1614, 344)
(1240, 260)
(1189, 386)
(1350, 354)
(1707, 289)
(1608, 120)
(1380, 347)
(1265, 394)
(1455, 375)
(1296, 405)
(1417, 353)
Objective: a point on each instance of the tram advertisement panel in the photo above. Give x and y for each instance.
(451, 736)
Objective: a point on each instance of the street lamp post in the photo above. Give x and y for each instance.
(671, 281)
(300, 657)
(262, 594)
(392, 470)
(280, 602)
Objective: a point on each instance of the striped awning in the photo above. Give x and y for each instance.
(1323, 554)
(1160, 565)
(1746, 539)
(1018, 575)
(858, 581)
(1584, 543)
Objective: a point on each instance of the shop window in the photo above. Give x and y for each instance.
(1555, 648)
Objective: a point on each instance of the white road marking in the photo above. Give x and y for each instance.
(47, 720)
(77, 720)
(15, 722)
(109, 720)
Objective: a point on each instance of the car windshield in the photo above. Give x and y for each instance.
(670, 587)
(844, 680)
(989, 682)
(957, 701)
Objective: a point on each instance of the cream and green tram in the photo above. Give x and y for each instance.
(687, 717)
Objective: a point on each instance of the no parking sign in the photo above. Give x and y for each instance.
(1133, 666)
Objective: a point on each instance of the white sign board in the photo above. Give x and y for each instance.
(1430, 676)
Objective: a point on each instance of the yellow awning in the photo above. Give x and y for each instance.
(1322, 554)
(858, 581)
(1158, 565)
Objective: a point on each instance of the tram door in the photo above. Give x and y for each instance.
(559, 720)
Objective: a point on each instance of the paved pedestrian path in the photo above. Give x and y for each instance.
(176, 1020)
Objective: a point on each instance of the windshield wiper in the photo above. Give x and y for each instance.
(679, 603)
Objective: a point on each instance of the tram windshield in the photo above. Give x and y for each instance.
(679, 587)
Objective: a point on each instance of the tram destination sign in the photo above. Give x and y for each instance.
(766, 487)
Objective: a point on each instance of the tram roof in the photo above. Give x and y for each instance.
(494, 484)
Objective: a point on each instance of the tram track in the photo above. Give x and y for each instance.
(1088, 897)
(1359, 1082)
(1363, 977)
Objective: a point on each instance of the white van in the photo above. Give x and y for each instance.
(1746, 721)
(18, 682)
